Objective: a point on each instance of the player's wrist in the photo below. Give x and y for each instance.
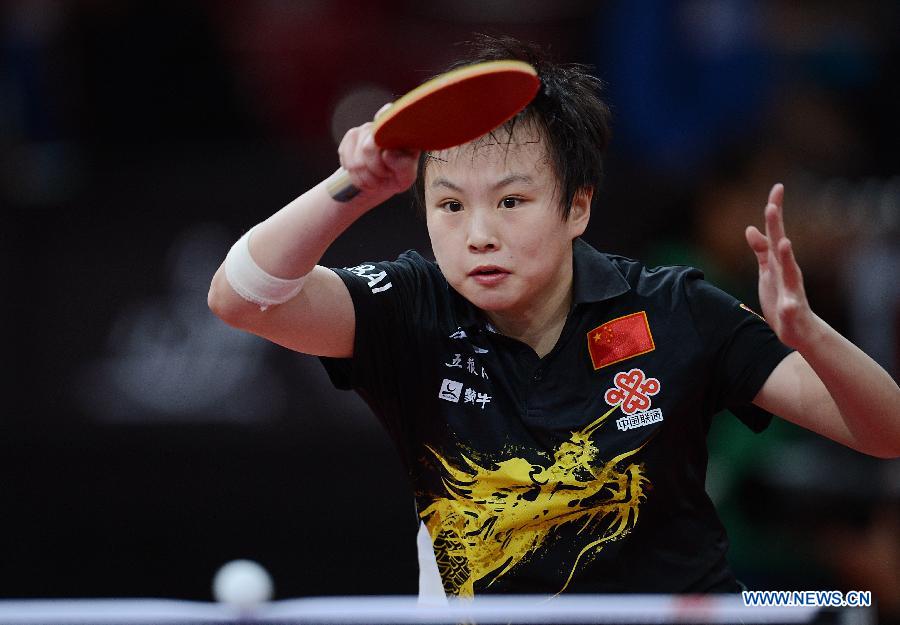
(808, 332)
(356, 196)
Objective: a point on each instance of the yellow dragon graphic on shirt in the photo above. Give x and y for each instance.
(495, 518)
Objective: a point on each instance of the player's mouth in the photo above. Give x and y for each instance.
(488, 274)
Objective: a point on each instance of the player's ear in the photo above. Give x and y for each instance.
(580, 212)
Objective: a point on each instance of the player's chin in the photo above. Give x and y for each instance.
(491, 299)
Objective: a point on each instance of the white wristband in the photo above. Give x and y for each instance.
(252, 282)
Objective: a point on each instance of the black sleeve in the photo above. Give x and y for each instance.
(742, 348)
(393, 305)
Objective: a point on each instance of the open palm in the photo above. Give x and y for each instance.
(781, 293)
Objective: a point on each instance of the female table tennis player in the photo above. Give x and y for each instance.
(550, 402)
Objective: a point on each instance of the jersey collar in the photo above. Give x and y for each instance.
(595, 279)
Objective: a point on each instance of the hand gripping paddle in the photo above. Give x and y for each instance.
(449, 110)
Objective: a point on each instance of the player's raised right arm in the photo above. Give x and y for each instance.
(320, 319)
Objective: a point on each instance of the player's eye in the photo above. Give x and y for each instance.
(452, 206)
(510, 202)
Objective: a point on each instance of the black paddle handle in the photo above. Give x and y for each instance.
(339, 186)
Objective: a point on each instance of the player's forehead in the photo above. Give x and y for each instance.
(520, 151)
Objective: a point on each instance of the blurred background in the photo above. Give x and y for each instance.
(143, 443)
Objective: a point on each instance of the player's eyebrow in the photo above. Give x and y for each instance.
(508, 180)
(443, 182)
(503, 182)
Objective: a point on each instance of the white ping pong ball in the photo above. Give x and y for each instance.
(243, 584)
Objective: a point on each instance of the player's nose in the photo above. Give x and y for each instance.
(481, 232)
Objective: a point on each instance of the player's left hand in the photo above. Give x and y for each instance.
(781, 293)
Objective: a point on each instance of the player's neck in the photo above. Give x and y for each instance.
(539, 326)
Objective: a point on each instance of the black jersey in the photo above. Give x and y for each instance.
(584, 470)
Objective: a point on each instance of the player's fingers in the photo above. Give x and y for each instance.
(402, 163)
(775, 235)
(370, 155)
(790, 270)
(776, 194)
(756, 239)
(775, 215)
(353, 137)
(361, 158)
(758, 243)
(363, 178)
(347, 147)
(384, 108)
(349, 150)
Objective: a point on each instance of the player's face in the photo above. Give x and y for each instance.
(494, 221)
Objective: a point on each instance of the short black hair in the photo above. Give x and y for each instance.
(568, 111)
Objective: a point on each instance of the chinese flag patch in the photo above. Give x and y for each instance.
(620, 339)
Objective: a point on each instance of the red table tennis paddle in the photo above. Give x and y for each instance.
(449, 110)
